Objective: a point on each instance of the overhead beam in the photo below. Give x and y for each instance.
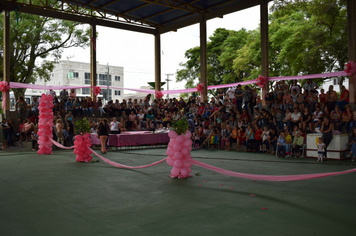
(210, 15)
(77, 18)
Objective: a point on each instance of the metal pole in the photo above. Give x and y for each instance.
(168, 82)
(107, 81)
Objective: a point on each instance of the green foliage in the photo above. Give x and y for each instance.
(180, 126)
(37, 37)
(305, 37)
(82, 126)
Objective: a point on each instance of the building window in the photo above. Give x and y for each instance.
(75, 75)
(87, 78)
(117, 78)
(85, 90)
(117, 92)
(104, 93)
(103, 79)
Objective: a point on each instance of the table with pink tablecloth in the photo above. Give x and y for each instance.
(133, 138)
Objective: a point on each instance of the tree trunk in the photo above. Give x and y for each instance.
(18, 93)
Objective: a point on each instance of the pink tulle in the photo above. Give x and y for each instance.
(149, 91)
(124, 166)
(60, 145)
(45, 124)
(270, 177)
(4, 88)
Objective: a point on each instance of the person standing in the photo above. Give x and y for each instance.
(103, 133)
(238, 97)
(63, 95)
(327, 131)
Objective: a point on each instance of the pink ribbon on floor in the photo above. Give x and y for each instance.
(60, 145)
(270, 177)
(124, 166)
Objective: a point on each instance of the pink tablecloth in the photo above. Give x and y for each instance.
(132, 138)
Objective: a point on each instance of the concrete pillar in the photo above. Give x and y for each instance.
(6, 57)
(203, 57)
(93, 60)
(351, 31)
(157, 61)
(264, 46)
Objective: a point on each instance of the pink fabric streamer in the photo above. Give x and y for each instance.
(124, 166)
(149, 91)
(270, 177)
(324, 75)
(60, 145)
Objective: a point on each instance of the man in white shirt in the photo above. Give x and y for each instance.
(231, 93)
(115, 127)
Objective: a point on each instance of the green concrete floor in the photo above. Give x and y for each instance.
(54, 195)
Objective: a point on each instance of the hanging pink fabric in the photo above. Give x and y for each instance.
(270, 177)
(124, 166)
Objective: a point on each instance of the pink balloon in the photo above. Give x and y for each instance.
(170, 161)
(188, 134)
(178, 155)
(178, 163)
(177, 147)
(180, 139)
(187, 165)
(175, 171)
(185, 172)
(188, 143)
(171, 143)
(170, 152)
(185, 150)
(172, 134)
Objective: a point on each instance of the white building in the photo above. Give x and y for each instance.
(74, 73)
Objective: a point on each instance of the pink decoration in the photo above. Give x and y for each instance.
(350, 68)
(124, 166)
(159, 94)
(45, 124)
(82, 148)
(179, 154)
(96, 90)
(4, 88)
(261, 81)
(200, 87)
(270, 177)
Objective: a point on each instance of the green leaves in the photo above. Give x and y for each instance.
(180, 126)
(82, 126)
(38, 37)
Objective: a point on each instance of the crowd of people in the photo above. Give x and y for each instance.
(234, 118)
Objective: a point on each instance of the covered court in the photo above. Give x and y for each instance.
(55, 195)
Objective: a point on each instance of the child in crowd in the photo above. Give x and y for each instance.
(265, 134)
(321, 149)
(258, 139)
(34, 137)
(59, 131)
(196, 139)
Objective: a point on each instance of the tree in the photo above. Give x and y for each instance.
(305, 37)
(36, 37)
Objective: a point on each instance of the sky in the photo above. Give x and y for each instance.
(135, 51)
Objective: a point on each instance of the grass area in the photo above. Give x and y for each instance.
(54, 195)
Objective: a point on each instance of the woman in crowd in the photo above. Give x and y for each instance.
(103, 133)
(21, 107)
(327, 131)
(26, 130)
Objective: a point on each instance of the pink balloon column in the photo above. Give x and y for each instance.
(81, 148)
(45, 124)
(178, 152)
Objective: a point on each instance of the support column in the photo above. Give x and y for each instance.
(157, 61)
(203, 57)
(93, 60)
(351, 31)
(6, 57)
(264, 46)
